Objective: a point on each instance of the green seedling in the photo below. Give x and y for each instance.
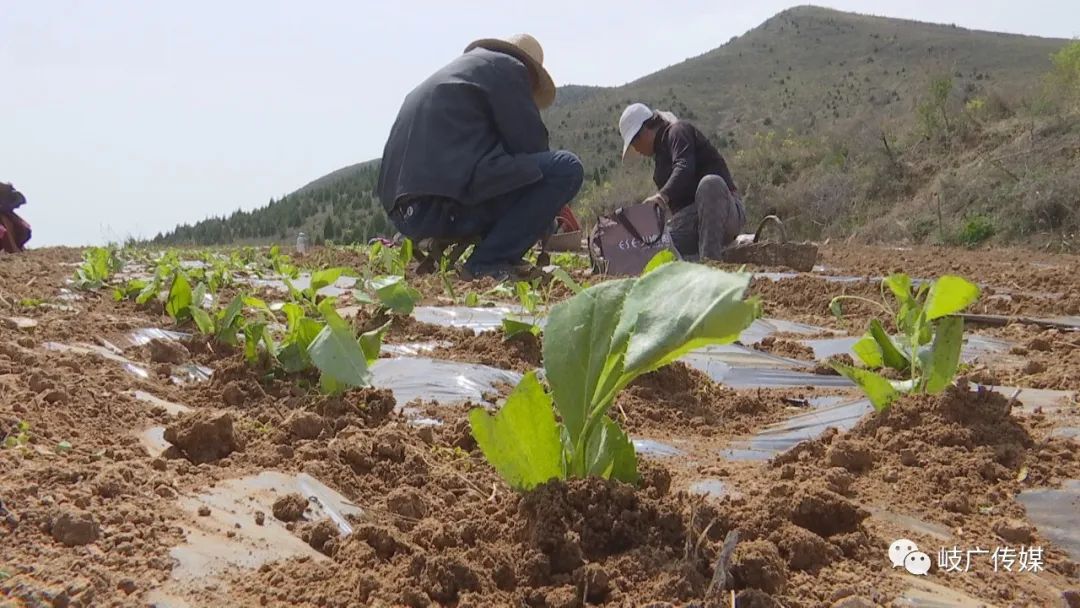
(99, 263)
(391, 260)
(662, 257)
(391, 293)
(513, 327)
(225, 325)
(129, 290)
(19, 436)
(178, 304)
(319, 280)
(342, 359)
(527, 296)
(595, 344)
(570, 260)
(923, 317)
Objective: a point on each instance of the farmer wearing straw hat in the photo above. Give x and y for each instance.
(468, 157)
(695, 185)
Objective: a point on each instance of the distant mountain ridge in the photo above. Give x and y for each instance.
(811, 72)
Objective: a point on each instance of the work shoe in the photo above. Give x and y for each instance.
(522, 271)
(500, 273)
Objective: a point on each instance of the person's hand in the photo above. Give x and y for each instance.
(658, 199)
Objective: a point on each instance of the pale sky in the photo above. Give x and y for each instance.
(124, 118)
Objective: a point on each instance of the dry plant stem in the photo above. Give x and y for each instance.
(444, 467)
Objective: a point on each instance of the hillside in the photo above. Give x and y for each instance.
(812, 104)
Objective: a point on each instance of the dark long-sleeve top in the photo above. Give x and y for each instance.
(465, 133)
(682, 156)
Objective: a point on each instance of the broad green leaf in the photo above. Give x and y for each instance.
(521, 441)
(178, 305)
(471, 299)
(253, 333)
(945, 354)
(662, 257)
(202, 321)
(680, 307)
(307, 330)
(512, 327)
(230, 322)
(361, 297)
(198, 295)
(395, 294)
(891, 356)
(331, 316)
(950, 295)
(337, 354)
(868, 351)
(293, 358)
(564, 277)
(836, 308)
(578, 349)
(149, 292)
(405, 254)
(371, 342)
(900, 285)
(324, 278)
(526, 296)
(330, 386)
(230, 315)
(879, 390)
(256, 303)
(293, 313)
(611, 454)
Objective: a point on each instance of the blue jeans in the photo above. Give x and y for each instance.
(507, 225)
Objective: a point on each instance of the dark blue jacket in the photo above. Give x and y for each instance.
(464, 133)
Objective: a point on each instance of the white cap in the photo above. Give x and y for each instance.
(630, 123)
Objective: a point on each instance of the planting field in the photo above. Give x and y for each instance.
(249, 427)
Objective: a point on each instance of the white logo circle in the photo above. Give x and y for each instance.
(899, 550)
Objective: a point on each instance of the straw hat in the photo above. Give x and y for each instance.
(527, 49)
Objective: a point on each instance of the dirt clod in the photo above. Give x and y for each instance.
(854, 601)
(406, 502)
(826, 513)
(755, 598)
(168, 351)
(306, 425)
(757, 564)
(73, 528)
(1039, 344)
(290, 507)
(849, 455)
(203, 437)
(1015, 531)
(321, 534)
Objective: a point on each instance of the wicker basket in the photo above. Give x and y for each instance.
(565, 241)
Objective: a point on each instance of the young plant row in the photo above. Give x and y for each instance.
(595, 344)
(931, 337)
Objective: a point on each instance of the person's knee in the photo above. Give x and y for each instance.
(567, 165)
(712, 184)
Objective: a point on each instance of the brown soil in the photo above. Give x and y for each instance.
(677, 399)
(89, 517)
(785, 348)
(520, 353)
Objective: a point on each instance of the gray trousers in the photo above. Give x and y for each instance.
(705, 227)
